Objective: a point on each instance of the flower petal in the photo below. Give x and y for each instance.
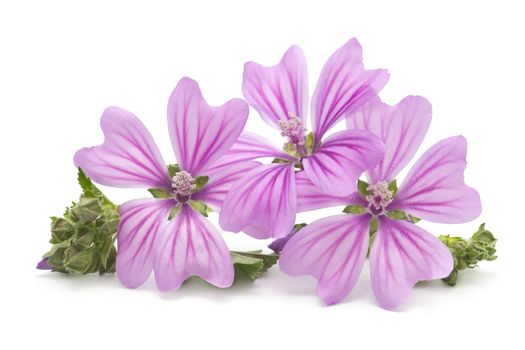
(435, 188)
(401, 127)
(402, 255)
(332, 250)
(128, 157)
(141, 221)
(220, 181)
(250, 146)
(191, 246)
(278, 91)
(311, 197)
(262, 203)
(201, 134)
(343, 86)
(341, 159)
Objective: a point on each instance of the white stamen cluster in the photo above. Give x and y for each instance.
(183, 184)
(293, 129)
(380, 197)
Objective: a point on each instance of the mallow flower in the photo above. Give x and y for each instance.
(169, 234)
(333, 249)
(264, 202)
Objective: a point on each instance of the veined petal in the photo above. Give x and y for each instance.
(332, 250)
(220, 181)
(278, 91)
(191, 246)
(311, 197)
(250, 146)
(435, 188)
(201, 134)
(401, 127)
(402, 255)
(341, 159)
(262, 203)
(343, 86)
(128, 157)
(141, 221)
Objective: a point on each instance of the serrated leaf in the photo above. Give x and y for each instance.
(159, 193)
(252, 264)
(90, 190)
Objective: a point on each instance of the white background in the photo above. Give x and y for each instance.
(62, 63)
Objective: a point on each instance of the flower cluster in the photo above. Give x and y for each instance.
(220, 167)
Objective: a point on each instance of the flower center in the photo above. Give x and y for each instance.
(379, 198)
(293, 129)
(183, 186)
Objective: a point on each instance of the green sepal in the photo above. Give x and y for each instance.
(374, 223)
(309, 143)
(200, 207)
(297, 227)
(200, 182)
(252, 264)
(159, 193)
(174, 211)
(280, 161)
(173, 169)
(362, 187)
(392, 187)
(468, 253)
(83, 239)
(354, 209)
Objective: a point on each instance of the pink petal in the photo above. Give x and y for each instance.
(341, 159)
(311, 197)
(332, 250)
(128, 157)
(191, 246)
(141, 221)
(201, 134)
(402, 128)
(343, 86)
(250, 146)
(262, 203)
(402, 255)
(277, 91)
(220, 181)
(435, 189)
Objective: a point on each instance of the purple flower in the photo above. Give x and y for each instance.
(333, 249)
(187, 244)
(264, 202)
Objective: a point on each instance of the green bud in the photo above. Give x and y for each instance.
(61, 229)
(79, 261)
(468, 253)
(87, 209)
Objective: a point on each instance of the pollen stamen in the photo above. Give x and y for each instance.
(293, 129)
(183, 185)
(379, 198)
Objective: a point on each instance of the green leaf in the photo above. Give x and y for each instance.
(159, 193)
(90, 190)
(200, 182)
(354, 209)
(362, 187)
(173, 169)
(252, 264)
